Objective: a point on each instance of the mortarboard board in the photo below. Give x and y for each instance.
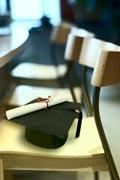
(47, 122)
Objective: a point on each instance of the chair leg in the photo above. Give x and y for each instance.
(1, 170)
(96, 175)
(87, 103)
(111, 176)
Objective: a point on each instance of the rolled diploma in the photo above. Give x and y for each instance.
(22, 110)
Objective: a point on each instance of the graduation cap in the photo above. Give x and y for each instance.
(47, 121)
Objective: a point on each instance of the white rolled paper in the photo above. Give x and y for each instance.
(22, 110)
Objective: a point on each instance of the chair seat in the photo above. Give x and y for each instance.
(85, 148)
(38, 71)
(23, 94)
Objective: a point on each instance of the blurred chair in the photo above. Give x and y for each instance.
(86, 152)
(45, 75)
(37, 74)
(25, 93)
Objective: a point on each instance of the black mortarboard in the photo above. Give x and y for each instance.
(49, 127)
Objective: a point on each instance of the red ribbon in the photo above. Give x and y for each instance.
(45, 100)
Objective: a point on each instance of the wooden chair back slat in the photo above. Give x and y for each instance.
(73, 47)
(91, 50)
(107, 69)
(60, 33)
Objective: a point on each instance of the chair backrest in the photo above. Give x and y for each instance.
(75, 42)
(91, 50)
(109, 62)
(81, 32)
(107, 73)
(60, 33)
(73, 47)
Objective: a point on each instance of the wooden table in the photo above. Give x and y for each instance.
(10, 45)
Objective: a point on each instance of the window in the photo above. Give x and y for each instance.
(35, 9)
(2, 7)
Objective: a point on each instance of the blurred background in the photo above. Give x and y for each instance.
(99, 16)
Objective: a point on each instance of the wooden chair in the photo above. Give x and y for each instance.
(89, 54)
(80, 154)
(25, 93)
(37, 74)
(105, 52)
(41, 74)
(107, 73)
(84, 153)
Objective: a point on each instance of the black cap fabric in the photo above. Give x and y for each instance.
(48, 127)
(55, 120)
